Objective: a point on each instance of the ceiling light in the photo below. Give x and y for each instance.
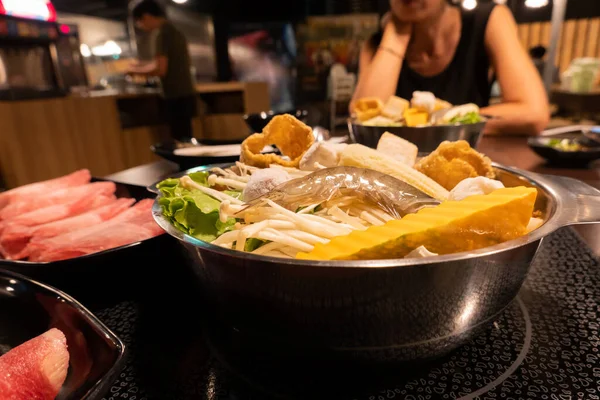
(536, 3)
(500, 1)
(85, 51)
(180, 1)
(469, 4)
(109, 48)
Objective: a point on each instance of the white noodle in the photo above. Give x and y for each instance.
(306, 237)
(226, 238)
(229, 174)
(341, 201)
(289, 251)
(227, 210)
(275, 236)
(276, 253)
(375, 211)
(240, 242)
(370, 218)
(328, 222)
(245, 168)
(345, 218)
(231, 183)
(268, 247)
(188, 183)
(308, 209)
(308, 222)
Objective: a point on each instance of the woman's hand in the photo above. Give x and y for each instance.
(396, 34)
(379, 68)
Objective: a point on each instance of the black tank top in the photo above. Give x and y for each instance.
(466, 79)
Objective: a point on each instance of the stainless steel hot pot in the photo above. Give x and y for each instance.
(399, 310)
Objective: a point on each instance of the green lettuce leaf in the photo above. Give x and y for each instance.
(192, 211)
(468, 118)
(200, 177)
(253, 244)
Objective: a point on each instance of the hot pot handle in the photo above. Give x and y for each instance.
(577, 202)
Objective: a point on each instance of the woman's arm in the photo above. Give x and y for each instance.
(524, 108)
(379, 69)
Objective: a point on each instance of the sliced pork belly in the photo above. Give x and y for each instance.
(132, 225)
(29, 235)
(77, 178)
(16, 232)
(60, 196)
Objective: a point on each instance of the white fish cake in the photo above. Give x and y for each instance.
(423, 101)
(474, 186)
(399, 149)
(323, 153)
(263, 181)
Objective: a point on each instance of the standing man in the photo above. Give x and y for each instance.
(172, 65)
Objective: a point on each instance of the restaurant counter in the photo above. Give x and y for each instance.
(108, 131)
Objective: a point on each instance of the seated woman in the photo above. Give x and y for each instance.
(430, 45)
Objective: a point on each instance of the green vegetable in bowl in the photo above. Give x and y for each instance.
(468, 118)
(192, 211)
(565, 145)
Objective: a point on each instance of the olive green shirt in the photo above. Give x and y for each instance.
(178, 80)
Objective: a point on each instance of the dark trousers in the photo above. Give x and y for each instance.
(179, 113)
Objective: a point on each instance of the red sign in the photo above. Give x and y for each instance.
(41, 10)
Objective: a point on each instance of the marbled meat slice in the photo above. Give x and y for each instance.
(35, 370)
(60, 196)
(29, 235)
(133, 225)
(76, 178)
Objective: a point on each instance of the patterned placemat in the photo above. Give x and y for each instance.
(545, 345)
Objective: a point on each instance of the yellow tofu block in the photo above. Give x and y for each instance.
(416, 117)
(453, 226)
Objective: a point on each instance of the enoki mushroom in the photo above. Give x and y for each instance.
(284, 232)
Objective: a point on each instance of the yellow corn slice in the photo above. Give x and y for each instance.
(451, 227)
(357, 155)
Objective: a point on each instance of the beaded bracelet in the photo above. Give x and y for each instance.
(392, 51)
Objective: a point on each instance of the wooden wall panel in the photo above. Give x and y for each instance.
(567, 44)
(593, 38)
(535, 33)
(578, 38)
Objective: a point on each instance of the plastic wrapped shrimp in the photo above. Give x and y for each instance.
(394, 197)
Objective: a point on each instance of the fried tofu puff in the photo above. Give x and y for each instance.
(452, 162)
(291, 136)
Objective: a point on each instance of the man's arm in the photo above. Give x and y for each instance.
(158, 67)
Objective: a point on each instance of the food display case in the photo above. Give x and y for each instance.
(36, 54)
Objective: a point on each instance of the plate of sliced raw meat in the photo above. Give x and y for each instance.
(77, 226)
(51, 347)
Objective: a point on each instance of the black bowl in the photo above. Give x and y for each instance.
(426, 138)
(258, 121)
(167, 151)
(580, 158)
(29, 308)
